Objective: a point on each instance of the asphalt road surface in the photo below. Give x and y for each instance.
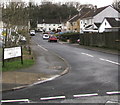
(91, 73)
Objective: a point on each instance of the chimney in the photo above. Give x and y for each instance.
(95, 8)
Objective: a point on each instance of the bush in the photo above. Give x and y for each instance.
(69, 36)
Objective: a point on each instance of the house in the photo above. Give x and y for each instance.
(73, 24)
(110, 25)
(49, 25)
(91, 21)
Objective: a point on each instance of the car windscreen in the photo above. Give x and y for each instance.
(46, 35)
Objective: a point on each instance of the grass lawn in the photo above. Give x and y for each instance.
(15, 64)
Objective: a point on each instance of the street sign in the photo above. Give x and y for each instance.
(13, 52)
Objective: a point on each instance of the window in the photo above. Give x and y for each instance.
(105, 23)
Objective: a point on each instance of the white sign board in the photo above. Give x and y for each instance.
(12, 52)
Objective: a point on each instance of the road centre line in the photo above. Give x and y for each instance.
(18, 100)
(52, 98)
(109, 61)
(114, 92)
(87, 54)
(85, 95)
(42, 47)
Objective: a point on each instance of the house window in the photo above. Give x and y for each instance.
(85, 24)
(105, 23)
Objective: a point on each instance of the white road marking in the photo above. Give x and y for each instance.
(111, 102)
(109, 61)
(85, 95)
(52, 98)
(18, 100)
(114, 92)
(87, 54)
(42, 47)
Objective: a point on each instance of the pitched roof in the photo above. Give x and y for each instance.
(97, 24)
(76, 17)
(88, 26)
(114, 22)
(94, 12)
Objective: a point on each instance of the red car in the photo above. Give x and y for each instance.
(52, 39)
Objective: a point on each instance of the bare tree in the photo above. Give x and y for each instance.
(116, 5)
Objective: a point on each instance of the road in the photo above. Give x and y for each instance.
(91, 73)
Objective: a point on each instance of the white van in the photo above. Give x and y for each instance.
(32, 32)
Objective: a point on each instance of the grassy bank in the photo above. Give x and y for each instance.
(15, 64)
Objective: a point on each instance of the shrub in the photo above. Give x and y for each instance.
(69, 36)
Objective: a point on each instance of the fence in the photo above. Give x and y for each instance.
(107, 40)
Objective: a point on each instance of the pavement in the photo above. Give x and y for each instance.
(99, 49)
(43, 69)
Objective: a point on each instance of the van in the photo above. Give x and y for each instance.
(32, 32)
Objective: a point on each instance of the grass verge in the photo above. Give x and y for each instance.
(15, 64)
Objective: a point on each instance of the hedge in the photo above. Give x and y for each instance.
(106, 40)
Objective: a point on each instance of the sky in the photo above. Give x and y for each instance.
(99, 3)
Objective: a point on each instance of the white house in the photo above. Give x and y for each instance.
(49, 25)
(96, 16)
(110, 24)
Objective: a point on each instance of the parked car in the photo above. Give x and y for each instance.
(32, 32)
(23, 39)
(45, 36)
(52, 39)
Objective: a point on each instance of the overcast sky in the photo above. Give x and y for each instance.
(99, 3)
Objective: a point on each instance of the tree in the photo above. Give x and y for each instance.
(15, 13)
(116, 5)
(48, 10)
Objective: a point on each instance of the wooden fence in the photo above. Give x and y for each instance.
(106, 40)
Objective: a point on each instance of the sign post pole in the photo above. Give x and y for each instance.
(3, 58)
(21, 56)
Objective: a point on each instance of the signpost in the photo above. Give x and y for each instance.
(13, 52)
